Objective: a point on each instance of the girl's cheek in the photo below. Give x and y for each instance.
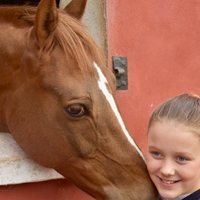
(152, 165)
(149, 165)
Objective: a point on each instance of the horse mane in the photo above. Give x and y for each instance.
(78, 43)
(70, 34)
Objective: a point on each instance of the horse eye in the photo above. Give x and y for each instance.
(76, 110)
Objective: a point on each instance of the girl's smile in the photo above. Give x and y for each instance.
(168, 184)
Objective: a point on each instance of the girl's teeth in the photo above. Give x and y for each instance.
(169, 182)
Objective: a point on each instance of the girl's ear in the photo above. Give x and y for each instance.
(76, 8)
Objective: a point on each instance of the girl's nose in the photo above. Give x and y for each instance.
(167, 169)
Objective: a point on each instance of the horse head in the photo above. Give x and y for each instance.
(57, 100)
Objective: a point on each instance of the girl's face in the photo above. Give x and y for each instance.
(173, 158)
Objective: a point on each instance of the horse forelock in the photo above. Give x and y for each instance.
(73, 38)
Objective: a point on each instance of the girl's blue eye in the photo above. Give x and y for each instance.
(181, 159)
(155, 154)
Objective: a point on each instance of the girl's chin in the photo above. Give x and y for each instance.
(167, 196)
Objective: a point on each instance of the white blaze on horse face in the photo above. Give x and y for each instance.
(102, 85)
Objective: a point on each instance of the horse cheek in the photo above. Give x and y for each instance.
(82, 138)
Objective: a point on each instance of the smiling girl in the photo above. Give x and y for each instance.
(173, 157)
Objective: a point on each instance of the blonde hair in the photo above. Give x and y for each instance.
(184, 109)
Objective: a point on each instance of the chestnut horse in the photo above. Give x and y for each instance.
(56, 98)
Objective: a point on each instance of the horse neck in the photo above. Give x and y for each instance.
(11, 50)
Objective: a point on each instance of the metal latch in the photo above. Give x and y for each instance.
(120, 70)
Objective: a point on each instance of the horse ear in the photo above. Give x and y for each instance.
(76, 8)
(46, 20)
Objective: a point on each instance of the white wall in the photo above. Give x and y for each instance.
(94, 19)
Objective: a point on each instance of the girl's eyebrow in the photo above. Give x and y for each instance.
(184, 153)
(153, 147)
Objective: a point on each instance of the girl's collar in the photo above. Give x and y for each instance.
(180, 197)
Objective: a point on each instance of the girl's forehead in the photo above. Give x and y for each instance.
(172, 124)
(173, 136)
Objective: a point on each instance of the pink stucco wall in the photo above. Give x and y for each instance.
(162, 42)
(48, 190)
